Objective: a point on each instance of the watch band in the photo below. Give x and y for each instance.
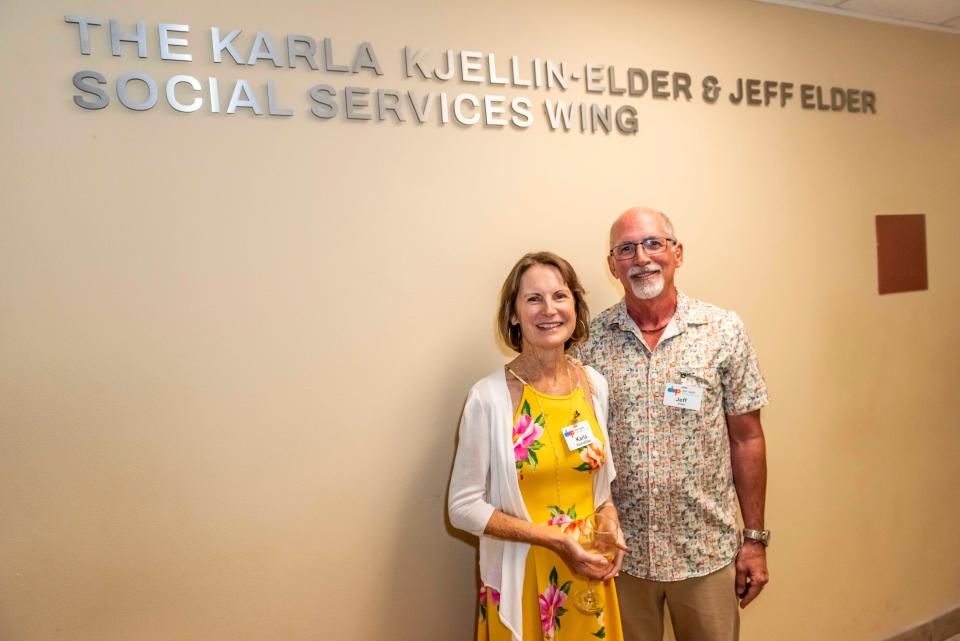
(760, 536)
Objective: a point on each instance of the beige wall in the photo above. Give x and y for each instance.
(233, 350)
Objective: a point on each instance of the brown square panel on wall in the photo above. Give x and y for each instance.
(901, 253)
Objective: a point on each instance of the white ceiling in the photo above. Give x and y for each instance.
(938, 15)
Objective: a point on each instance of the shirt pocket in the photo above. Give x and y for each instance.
(704, 376)
(707, 379)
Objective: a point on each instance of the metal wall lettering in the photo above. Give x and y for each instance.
(568, 100)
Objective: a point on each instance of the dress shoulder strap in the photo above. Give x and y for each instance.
(516, 376)
(582, 373)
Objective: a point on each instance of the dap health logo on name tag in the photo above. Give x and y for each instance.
(579, 435)
(686, 397)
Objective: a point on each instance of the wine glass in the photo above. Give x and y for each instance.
(598, 535)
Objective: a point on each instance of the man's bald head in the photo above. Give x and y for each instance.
(635, 214)
(644, 275)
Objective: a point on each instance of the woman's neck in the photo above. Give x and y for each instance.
(547, 370)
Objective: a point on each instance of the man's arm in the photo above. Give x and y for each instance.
(748, 456)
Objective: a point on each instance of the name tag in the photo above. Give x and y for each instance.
(686, 397)
(579, 435)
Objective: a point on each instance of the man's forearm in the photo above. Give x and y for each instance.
(748, 455)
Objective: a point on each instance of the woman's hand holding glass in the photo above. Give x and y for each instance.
(582, 562)
(602, 541)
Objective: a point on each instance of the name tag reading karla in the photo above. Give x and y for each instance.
(578, 435)
(686, 397)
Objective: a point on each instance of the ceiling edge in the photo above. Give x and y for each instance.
(839, 11)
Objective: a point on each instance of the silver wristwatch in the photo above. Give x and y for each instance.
(760, 536)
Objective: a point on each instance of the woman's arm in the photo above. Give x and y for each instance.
(467, 498)
(580, 562)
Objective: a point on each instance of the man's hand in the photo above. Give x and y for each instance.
(751, 571)
(617, 563)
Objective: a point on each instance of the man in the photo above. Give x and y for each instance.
(685, 399)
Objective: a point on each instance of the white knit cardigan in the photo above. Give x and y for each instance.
(484, 479)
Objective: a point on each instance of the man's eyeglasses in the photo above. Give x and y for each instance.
(651, 246)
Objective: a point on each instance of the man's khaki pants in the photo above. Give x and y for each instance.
(703, 608)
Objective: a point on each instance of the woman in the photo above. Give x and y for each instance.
(519, 484)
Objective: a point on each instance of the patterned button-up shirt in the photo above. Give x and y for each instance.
(674, 489)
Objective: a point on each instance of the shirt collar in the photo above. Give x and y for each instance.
(689, 312)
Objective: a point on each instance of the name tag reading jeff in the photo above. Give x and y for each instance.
(686, 397)
(579, 435)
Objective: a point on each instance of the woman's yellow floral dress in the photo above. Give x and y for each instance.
(557, 495)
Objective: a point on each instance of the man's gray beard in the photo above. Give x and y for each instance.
(648, 288)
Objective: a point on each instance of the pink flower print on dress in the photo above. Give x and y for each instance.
(526, 433)
(551, 606)
(494, 598)
(566, 520)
